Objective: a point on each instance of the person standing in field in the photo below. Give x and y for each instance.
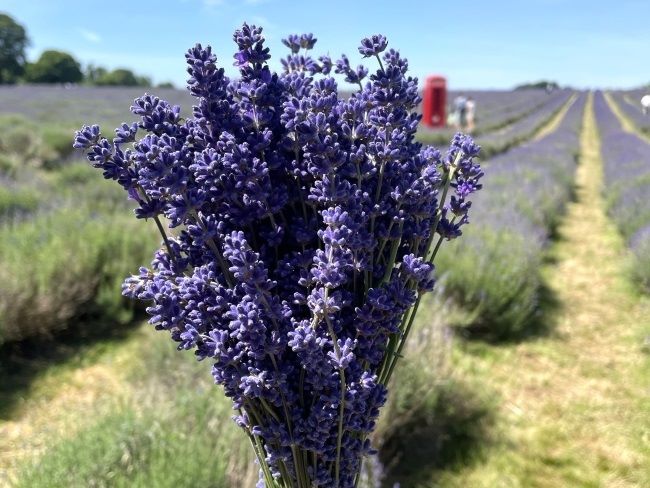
(470, 115)
(459, 110)
(645, 104)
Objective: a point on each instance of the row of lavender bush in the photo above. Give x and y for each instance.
(75, 104)
(494, 272)
(25, 143)
(64, 249)
(62, 266)
(497, 109)
(501, 129)
(525, 128)
(629, 103)
(626, 160)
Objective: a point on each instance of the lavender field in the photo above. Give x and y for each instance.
(272, 244)
(553, 273)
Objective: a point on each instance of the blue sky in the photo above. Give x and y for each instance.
(495, 44)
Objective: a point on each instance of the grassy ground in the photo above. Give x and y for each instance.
(46, 398)
(573, 403)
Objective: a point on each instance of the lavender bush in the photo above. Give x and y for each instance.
(627, 185)
(524, 128)
(302, 232)
(512, 106)
(494, 272)
(496, 109)
(640, 245)
(72, 105)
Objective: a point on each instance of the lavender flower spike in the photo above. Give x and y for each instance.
(373, 46)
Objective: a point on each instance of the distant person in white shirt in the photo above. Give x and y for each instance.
(645, 104)
(459, 111)
(470, 115)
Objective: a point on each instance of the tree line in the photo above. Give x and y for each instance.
(54, 66)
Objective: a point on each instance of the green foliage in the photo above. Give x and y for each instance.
(59, 141)
(94, 73)
(144, 81)
(434, 138)
(417, 381)
(432, 420)
(19, 139)
(60, 266)
(539, 85)
(76, 174)
(122, 77)
(495, 276)
(24, 143)
(641, 264)
(166, 84)
(625, 202)
(13, 42)
(435, 434)
(7, 164)
(54, 67)
(77, 183)
(17, 202)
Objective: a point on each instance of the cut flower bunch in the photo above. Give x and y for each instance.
(299, 229)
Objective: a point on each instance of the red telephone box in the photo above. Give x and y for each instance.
(434, 101)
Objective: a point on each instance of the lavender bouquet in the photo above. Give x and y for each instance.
(299, 230)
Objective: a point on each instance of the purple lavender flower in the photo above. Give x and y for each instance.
(301, 230)
(86, 137)
(373, 46)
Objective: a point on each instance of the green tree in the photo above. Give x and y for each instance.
(94, 73)
(13, 41)
(538, 85)
(144, 81)
(118, 77)
(122, 77)
(54, 67)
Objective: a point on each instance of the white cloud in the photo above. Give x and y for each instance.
(90, 35)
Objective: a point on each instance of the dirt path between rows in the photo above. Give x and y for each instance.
(62, 401)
